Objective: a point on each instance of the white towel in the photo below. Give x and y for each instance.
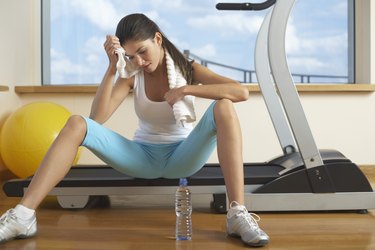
(183, 110)
(125, 67)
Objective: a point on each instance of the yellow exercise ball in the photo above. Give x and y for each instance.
(27, 135)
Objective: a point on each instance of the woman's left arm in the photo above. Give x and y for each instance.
(209, 85)
(214, 86)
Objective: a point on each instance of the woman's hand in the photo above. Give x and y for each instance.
(174, 95)
(110, 45)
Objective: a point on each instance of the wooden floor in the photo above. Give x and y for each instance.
(126, 226)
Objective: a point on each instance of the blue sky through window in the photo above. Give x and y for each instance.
(317, 36)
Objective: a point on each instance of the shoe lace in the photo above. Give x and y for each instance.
(252, 219)
(9, 215)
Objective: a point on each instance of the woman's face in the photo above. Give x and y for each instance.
(146, 54)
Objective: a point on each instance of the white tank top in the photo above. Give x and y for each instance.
(156, 119)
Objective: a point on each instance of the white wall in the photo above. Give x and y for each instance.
(345, 121)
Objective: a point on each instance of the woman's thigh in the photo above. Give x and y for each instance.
(191, 155)
(122, 154)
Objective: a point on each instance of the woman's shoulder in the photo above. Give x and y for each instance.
(204, 75)
(201, 73)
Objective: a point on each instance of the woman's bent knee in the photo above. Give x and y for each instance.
(224, 107)
(76, 125)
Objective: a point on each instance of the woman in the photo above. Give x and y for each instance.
(160, 148)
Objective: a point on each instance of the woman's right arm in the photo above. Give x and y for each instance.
(109, 96)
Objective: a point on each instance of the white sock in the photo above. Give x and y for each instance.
(23, 212)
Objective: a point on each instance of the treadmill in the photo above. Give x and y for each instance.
(304, 178)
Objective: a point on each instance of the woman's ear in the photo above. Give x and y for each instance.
(158, 38)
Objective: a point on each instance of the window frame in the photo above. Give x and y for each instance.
(353, 58)
(46, 42)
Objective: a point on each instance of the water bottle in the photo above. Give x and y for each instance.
(183, 208)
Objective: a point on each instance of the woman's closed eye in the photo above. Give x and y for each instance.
(139, 53)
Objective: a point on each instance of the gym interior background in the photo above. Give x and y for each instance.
(341, 117)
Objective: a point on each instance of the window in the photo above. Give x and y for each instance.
(319, 37)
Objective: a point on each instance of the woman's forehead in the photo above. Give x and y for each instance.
(132, 47)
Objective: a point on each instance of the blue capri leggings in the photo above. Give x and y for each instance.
(145, 160)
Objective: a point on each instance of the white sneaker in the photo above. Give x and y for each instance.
(12, 227)
(241, 223)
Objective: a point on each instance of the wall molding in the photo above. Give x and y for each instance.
(89, 89)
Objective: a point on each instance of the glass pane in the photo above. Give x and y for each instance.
(317, 41)
(317, 37)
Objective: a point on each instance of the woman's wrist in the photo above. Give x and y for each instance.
(111, 70)
(186, 90)
(189, 89)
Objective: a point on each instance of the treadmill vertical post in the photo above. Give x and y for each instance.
(318, 174)
(286, 87)
(270, 96)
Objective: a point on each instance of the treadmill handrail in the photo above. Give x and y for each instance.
(245, 6)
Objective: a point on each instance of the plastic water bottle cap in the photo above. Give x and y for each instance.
(183, 182)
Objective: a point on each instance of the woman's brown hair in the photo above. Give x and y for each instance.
(138, 27)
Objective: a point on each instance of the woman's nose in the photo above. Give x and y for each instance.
(139, 60)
